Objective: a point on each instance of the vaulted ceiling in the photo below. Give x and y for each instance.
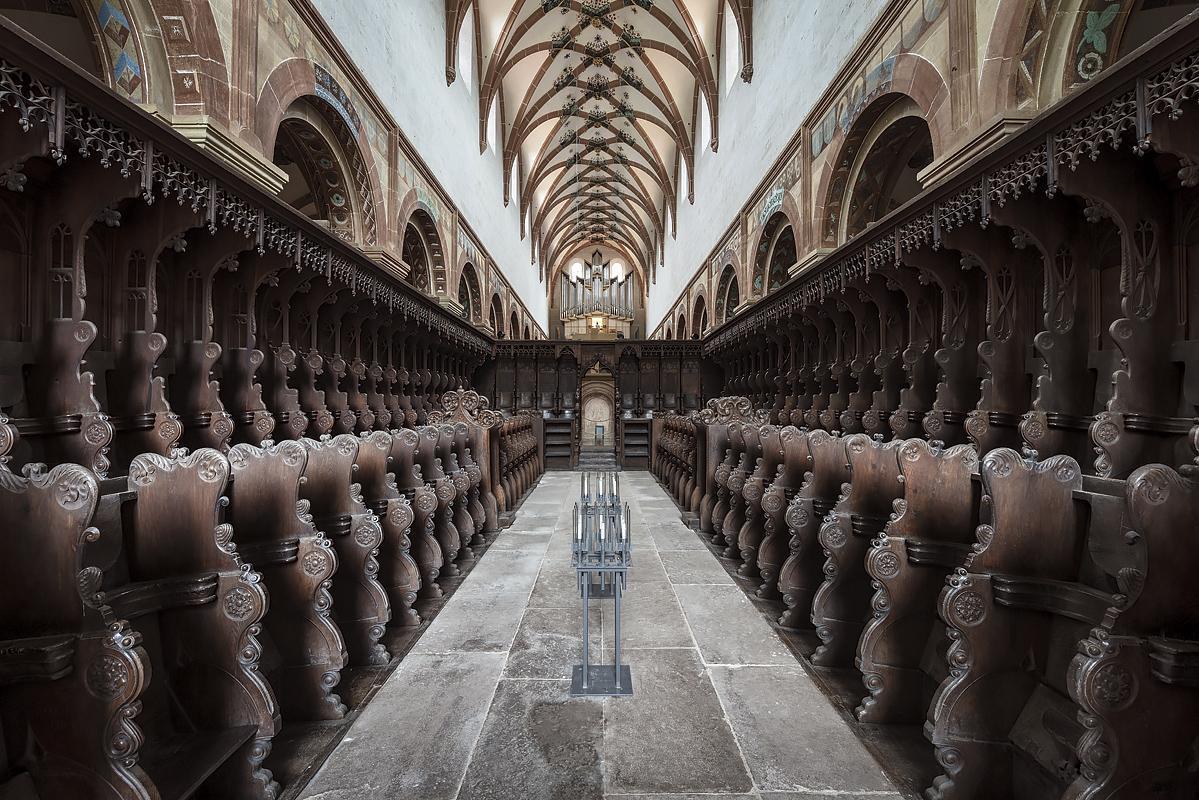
(598, 102)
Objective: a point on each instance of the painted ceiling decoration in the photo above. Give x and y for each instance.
(598, 102)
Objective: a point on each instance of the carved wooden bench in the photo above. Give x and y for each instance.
(304, 651)
(71, 673)
(1136, 675)
(842, 605)
(169, 565)
(422, 499)
(398, 572)
(1051, 558)
(777, 496)
(360, 605)
(927, 537)
(802, 572)
(749, 538)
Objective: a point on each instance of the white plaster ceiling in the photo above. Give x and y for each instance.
(598, 108)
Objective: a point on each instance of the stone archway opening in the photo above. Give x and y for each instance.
(597, 395)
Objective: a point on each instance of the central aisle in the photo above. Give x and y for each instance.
(480, 707)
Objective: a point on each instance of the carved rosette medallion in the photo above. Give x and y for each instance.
(1114, 686)
(315, 563)
(968, 607)
(886, 565)
(238, 603)
(106, 677)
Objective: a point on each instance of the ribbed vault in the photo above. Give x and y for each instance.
(598, 102)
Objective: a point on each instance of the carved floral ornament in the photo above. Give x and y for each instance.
(1125, 120)
(465, 406)
(73, 128)
(723, 410)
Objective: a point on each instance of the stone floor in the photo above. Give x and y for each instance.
(480, 707)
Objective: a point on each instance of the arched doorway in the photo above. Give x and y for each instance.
(597, 401)
(680, 328)
(513, 326)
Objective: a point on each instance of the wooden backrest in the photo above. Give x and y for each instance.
(875, 478)
(770, 439)
(374, 450)
(46, 529)
(176, 526)
(266, 491)
(1163, 507)
(432, 468)
(830, 466)
(1035, 528)
(940, 500)
(797, 457)
(329, 475)
(404, 459)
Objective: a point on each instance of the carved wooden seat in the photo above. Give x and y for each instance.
(54, 407)
(398, 572)
(458, 516)
(749, 538)
(425, 550)
(796, 461)
(1136, 675)
(733, 454)
(304, 651)
(360, 605)
(927, 537)
(712, 445)
(171, 568)
(434, 475)
(1051, 558)
(474, 475)
(841, 607)
(71, 673)
(802, 573)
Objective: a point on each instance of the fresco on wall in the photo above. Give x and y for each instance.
(120, 46)
(877, 79)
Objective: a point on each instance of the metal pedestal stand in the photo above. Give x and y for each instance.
(601, 555)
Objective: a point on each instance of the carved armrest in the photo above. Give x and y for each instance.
(148, 597)
(1174, 661)
(39, 658)
(1061, 598)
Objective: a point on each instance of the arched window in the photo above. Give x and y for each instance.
(878, 167)
(704, 126)
(493, 127)
(466, 51)
(513, 326)
(730, 52)
(496, 316)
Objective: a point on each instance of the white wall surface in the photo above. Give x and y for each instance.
(798, 47)
(400, 47)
